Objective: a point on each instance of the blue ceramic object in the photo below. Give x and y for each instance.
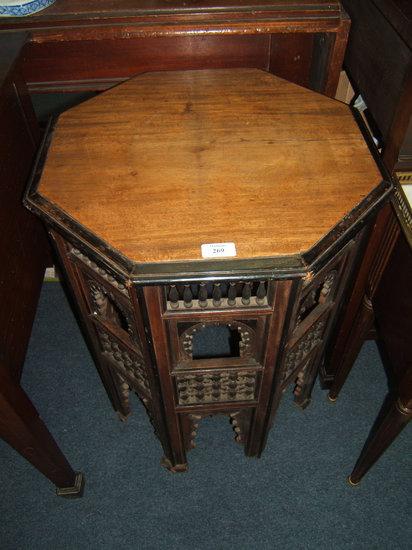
(21, 8)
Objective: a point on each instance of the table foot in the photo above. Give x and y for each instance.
(123, 417)
(352, 483)
(332, 399)
(76, 491)
(303, 404)
(176, 469)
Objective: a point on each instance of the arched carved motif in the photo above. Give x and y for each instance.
(247, 337)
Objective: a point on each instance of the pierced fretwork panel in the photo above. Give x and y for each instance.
(299, 352)
(319, 294)
(130, 365)
(241, 339)
(218, 387)
(108, 307)
(218, 295)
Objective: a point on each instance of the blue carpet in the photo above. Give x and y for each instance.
(295, 496)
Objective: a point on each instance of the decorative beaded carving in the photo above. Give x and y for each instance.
(106, 306)
(102, 272)
(221, 295)
(318, 295)
(303, 347)
(124, 391)
(218, 387)
(240, 424)
(300, 379)
(193, 425)
(246, 343)
(129, 365)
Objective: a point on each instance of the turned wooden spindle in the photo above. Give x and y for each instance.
(202, 296)
(246, 293)
(261, 293)
(217, 295)
(187, 296)
(231, 294)
(174, 297)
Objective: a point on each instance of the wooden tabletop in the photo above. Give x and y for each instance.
(169, 161)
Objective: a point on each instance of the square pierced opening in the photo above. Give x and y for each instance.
(215, 341)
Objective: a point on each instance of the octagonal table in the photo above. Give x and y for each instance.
(209, 224)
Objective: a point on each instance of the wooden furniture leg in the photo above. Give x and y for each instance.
(393, 312)
(358, 318)
(386, 429)
(22, 428)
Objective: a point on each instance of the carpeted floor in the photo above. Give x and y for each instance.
(294, 497)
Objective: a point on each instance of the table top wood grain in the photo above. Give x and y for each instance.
(168, 161)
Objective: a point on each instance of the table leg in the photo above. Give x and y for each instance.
(384, 433)
(358, 318)
(361, 327)
(22, 428)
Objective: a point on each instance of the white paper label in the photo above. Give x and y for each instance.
(218, 250)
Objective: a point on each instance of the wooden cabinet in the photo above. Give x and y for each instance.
(95, 44)
(280, 184)
(384, 81)
(379, 62)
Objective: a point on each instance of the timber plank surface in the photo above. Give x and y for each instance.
(165, 162)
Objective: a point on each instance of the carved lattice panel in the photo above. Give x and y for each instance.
(217, 387)
(129, 364)
(300, 351)
(321, 292)
(108, 307)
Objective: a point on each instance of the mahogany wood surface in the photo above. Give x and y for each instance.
(385, 82)
(393, 312)
(393, 308)
(92, 45)
(168, 161)
(358, 317)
